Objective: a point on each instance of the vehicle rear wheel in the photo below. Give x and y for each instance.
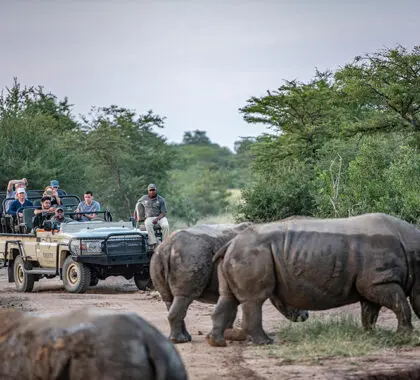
(76, 276)
(24, 281)
(142, 283)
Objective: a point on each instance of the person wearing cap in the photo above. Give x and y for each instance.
(19, 203)
(151, 209)
(59, 216)
(56, 186)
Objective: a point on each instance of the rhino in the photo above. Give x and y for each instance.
(181, 270)
(318, 264)
(85, 344)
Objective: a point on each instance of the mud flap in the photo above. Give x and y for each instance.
(10, 271)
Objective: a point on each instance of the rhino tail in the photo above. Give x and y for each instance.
(220, 254)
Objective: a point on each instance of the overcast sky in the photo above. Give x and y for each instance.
(195, 62)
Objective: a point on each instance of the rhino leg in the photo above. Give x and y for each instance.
(392, 296)
(232, 333)
(252, 322)
(226, 307)
(370, 313)
(177, 312)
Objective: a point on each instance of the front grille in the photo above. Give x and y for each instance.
(125, 245)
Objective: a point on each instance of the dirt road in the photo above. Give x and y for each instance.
(237, 361)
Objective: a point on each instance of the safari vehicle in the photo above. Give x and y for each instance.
(80, 253)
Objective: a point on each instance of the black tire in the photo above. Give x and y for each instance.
(93, 279)
(24, 281)
(142, 283)
(76, 276)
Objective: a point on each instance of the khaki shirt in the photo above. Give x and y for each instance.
(147, 207)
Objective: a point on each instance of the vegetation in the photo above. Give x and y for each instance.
(333, 336)
(114, 152)
(344, 143)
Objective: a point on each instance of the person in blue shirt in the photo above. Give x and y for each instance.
(19, 203)
(88, 205)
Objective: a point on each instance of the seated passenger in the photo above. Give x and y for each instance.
(18, 183)
(56, 185)
(53, 195)
(20, 202)
(43, 213)
(151, 209)
(59, 216)
(88, 205)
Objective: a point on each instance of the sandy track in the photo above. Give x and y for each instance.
(238, 360)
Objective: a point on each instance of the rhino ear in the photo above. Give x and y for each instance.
(9, 320)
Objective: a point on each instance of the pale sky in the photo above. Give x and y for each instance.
(194, 62)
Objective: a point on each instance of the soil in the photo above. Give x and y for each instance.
(239, 360)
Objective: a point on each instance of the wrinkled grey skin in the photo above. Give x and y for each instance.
(83, 345)
(182, 271)
(318, 264)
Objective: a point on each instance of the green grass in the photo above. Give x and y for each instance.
(341, 336)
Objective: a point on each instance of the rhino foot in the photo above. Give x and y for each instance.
(262, 340)
(180, 338)
(235, 334)
(221, 342)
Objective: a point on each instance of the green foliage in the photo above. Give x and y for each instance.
(287, 192)
(124, 155)
(343, 143)
(336, 336)
(201, 176)
(355, 135)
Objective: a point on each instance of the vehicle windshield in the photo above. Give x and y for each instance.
(96, 224)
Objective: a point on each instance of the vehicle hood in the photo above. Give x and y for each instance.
(91, 230)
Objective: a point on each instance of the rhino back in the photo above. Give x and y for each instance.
(85, 344)
(189, 259)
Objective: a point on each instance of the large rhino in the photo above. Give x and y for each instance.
(85, 344)
(317, 264)
(182, 271)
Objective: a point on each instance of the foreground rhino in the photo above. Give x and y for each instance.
(182, 271)
(85, 344)
(318, 264)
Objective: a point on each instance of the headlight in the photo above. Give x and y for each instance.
(86, 247)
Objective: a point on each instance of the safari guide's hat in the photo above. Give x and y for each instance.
(152, 186)
(54, 183)
(20, 190)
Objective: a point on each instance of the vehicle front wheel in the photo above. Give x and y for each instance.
(76, 276)
(24, 281)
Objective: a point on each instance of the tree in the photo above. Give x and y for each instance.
(196, 137)
(325, 125)
(125, 154)
(388, 83)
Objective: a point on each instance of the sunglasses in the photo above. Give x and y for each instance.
(60, 211)
(152, 189)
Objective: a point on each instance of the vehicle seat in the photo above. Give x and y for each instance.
(26, 225)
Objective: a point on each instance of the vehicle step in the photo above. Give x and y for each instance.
(41, 271)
